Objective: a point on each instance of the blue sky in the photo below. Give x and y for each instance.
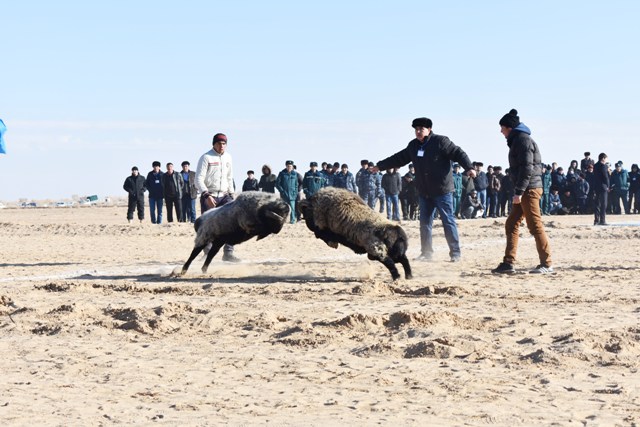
(89, 90)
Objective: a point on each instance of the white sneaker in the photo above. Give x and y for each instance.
(541, 269)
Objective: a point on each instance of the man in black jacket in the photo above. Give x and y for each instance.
(172, 184)
(525, 165)
(432, 156)
(134, 185)
(601, 189)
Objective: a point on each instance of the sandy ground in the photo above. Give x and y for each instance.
(96, 332)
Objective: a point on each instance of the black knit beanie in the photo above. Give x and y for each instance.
(510, 120)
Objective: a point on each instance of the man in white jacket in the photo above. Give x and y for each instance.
(214, 180)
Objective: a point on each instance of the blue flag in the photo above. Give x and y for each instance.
(3, 129)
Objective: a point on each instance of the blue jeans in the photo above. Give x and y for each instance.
(482, 198)
(492, 201)
(188, 209)
(153, 204)
(392, 202)
(444, 205)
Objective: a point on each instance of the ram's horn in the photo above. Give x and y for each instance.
(272, 214)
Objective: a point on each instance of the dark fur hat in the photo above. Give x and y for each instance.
(422, 122)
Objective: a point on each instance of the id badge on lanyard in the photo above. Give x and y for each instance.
(421, 152)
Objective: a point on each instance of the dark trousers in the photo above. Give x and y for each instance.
(492, 204)
(506, 203)
(620, 196)
(172, 202)
(133, 204)
(188, 209)
(600, 211)
(634, 204)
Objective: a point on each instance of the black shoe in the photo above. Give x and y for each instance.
(456, 258)
(504, 268)
(230, 257)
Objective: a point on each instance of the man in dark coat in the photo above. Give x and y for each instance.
(172, 186)
(432, 156)
(189, 193)
(134, 185)
(154, 186)
(601, 189)
(525, 164)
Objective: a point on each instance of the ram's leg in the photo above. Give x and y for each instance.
(215, 248)
(194, 254)
(388, 262)
(407, 268)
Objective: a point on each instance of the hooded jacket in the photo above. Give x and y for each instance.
(267, 180)
(525, 161)
(432, 160)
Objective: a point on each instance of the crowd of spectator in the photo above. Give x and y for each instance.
(488, 195)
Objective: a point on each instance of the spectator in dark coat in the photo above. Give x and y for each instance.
(457, 190)
(134, 186)
(409, 197)
(584, 163)
(507, 193)
(481, 182)
(601, 188)
(313, 180)
(345, 179)
(581, 193)
(377, 176)
(555, 205)
(154, 186)
(267, 180)
(591, 197)
(546, 189)
(287, 185)
(634, 189)
(189, 193)
(493, 193)
(470, 205)
(620, 189)
(251, 183)
(172, 186)
(392, 183)
(366, 183)
(558, 179)
(568, 202)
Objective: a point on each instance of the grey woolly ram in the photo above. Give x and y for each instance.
(338, 216)
(252, 214)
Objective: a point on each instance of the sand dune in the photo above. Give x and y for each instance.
(96, 331)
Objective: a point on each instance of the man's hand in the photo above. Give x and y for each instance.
(210, 201)
(471, 173)
(516, 199)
